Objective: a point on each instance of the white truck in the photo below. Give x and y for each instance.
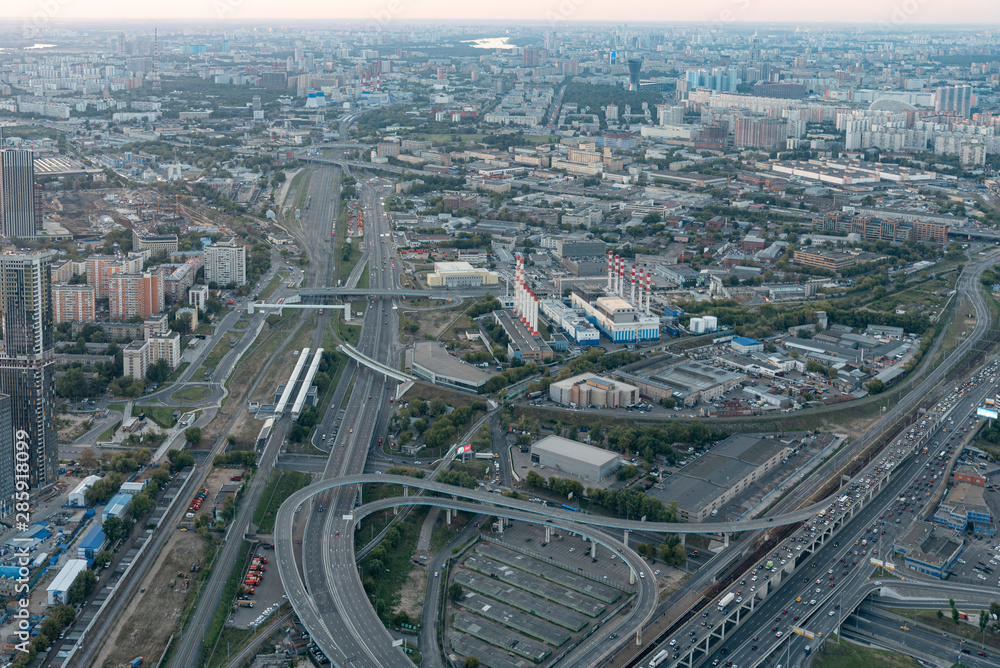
(726, 600)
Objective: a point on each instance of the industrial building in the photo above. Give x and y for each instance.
(623, 314)
(77, 497)
(689, 384)
(619, 320)
(433, 363)
(92, 543)
(572, 321)
(579, 460)
(588, 390)
(965, 504)
(525, 344)
(726, 473)
(116, 507)
(460, 275)
(58, 589)
(929, 549)
(744, 344)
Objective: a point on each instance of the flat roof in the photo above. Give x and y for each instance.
(432, 356)
(749, 449)
(691, 494)
(718, 469)
(557, 445)
(519, 334)
(67, 574)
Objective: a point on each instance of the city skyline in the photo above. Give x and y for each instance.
(723, 12)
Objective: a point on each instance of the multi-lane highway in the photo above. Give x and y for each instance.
(339, 617)
(756, 636)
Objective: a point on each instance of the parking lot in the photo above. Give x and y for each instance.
(570, 551)
(269, 592)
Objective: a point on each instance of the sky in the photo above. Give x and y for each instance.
(720, 12)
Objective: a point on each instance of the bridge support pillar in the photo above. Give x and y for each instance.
(753, 600)
(625, 539)
(726, 536)
(548, 534)
(638, 638)
(406, 491)
(500, 523)
(707, 638)
(767, 535)
(631, 577)
(593, 550)
(395, 510)
(447, 516)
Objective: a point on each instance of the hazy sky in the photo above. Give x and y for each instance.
(898, 12)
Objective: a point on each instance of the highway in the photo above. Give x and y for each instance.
(757, 630)
(188, 652)
(337, 613)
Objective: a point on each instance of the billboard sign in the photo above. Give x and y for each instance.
(462, 449)
(987, 413)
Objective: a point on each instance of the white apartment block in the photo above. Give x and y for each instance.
(226, 263)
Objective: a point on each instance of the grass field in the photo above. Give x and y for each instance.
(191, 394)
(849, 655)
(300, 184)
(364, 278)
(280, 486)
(109, 432)
(161, 415)
(945, 623)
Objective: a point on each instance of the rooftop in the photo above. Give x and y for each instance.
(558, 445)
(432, 356)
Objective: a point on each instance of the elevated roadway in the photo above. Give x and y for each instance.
(352, 594)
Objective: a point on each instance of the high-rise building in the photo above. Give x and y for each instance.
(6, 456)
(634, 65)
(26, 303)
(27, 370)
(73, 303)
(957, 99)
(20, 215)
(135, 294)
(531, 58)
(765, 133)
(226, 263)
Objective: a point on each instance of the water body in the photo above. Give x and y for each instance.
(490, 43)
(33, 46)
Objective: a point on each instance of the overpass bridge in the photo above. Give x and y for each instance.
(406, 380)
(357, 164)
(491, 502)
(317, 295)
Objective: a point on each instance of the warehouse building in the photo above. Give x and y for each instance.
(77, 497)
(588, 390)
(574, 458)
(58, 589)
(688, 384)
(726, 473)
(116, 506)
(92, 543)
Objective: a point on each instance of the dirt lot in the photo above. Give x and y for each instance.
(411, 596)
(433, 323)
(152, 616)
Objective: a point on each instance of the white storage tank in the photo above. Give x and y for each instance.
(711, 323)
(697, 325)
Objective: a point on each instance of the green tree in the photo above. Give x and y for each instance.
(193, 435)
(179, 459)
(984, 620)
(534, 480)
(159, 372)
(82, 587)
(141, 506)
(73, 384)
(116, 529)
(455, 592)
(471, 662)
(103, 558)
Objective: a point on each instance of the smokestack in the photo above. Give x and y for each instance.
(632, 292)
(642, 282)
(649, 294)
(611, 257)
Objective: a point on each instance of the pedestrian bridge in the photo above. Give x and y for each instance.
(406, 380)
